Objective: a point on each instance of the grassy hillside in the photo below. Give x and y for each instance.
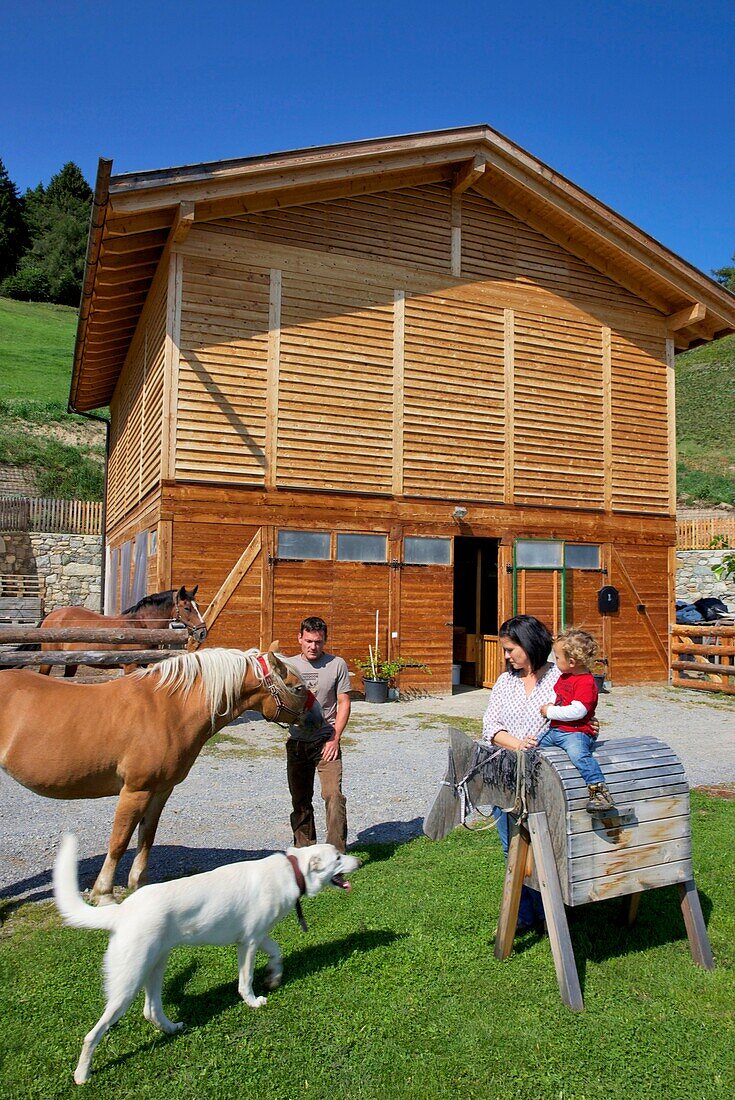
(67, 451)
(36, 348)
(705, 413)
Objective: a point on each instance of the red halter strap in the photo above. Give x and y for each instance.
(270, 683)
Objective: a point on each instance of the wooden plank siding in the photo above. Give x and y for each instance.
(558, 413)
(500, 247)
(136, 412)
(335, 400)
(372, 361)
(453, 406)
(640, 472)
(206, 553)
(409, 226)
(223, 372)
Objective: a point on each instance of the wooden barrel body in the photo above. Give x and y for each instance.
(648, 845)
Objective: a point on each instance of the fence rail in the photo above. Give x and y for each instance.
(113, 658)
(699, 533)
(703, 657)
(76, 517)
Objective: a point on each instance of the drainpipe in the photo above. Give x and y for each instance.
(94, 240)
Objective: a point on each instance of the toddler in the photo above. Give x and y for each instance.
(571, 716)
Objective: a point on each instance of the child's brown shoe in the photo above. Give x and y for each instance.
(600, 800)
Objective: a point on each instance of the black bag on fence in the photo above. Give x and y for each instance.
(711, 609)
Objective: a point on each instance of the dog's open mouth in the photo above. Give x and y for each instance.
(340, 882)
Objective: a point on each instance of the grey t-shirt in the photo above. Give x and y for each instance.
(327, 678)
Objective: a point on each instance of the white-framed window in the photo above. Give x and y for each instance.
(362, 548)
(419, 550)
(304, 544)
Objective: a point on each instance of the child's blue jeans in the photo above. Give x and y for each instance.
(579, 748)
(531, 909)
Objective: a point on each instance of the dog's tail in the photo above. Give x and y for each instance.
(69, 901)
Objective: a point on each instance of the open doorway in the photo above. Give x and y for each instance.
(475, 615)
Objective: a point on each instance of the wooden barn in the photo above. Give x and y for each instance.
(423, 376)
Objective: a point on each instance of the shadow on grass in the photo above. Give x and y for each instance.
(167, 861)
(390, 834)
(173, 861)
(600, 931)
(198, 1009)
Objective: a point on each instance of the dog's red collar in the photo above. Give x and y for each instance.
(300, 880)
(301, 883)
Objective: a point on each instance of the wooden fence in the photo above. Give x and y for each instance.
(703, 657)
(21, 597)
(700, 533)
(164, 640)
(76, 517)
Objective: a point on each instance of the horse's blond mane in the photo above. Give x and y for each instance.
(221, 672)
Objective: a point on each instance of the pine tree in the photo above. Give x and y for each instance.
(56, 220)
(12, 229)
(726, 275)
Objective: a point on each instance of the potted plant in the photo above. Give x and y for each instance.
(378, 673)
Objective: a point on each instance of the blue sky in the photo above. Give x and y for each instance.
(632, 101)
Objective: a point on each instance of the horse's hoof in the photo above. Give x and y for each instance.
(102, 899)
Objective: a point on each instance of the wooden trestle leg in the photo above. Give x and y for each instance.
(556, 918)
(695, 926)
(514, 874)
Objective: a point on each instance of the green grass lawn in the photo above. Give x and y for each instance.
(395, 993)
(36, 350)
(705, 408)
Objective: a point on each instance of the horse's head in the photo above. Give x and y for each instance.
(290, 699)
(187, 612)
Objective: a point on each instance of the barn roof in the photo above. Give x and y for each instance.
(137, 214)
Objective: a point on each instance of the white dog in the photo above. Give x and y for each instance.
(238, 903)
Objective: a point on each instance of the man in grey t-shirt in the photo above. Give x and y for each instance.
(318, 750)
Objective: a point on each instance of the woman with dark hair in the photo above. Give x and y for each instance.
(513, 717)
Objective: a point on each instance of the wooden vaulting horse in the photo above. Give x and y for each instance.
(153, 612)
(137, 736)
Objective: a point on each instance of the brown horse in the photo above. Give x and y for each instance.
(153, 612)
(136, 736)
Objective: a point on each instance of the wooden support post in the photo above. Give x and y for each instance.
(268, 546)
(695, 926)
(556, 918)
(514, 875)
(633, 904)
(399, 337)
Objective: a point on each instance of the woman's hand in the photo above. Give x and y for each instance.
(529, 742)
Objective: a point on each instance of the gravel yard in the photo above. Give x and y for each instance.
(235, 804)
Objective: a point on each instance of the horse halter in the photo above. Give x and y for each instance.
(274, 682)
(176, 619)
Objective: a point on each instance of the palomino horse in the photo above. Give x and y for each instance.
(137, 736)
(153, 612)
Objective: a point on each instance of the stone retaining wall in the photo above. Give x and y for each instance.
(695, 579)
(70, 564)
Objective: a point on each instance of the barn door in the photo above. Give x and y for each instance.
(425, 591)
(539, 581)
